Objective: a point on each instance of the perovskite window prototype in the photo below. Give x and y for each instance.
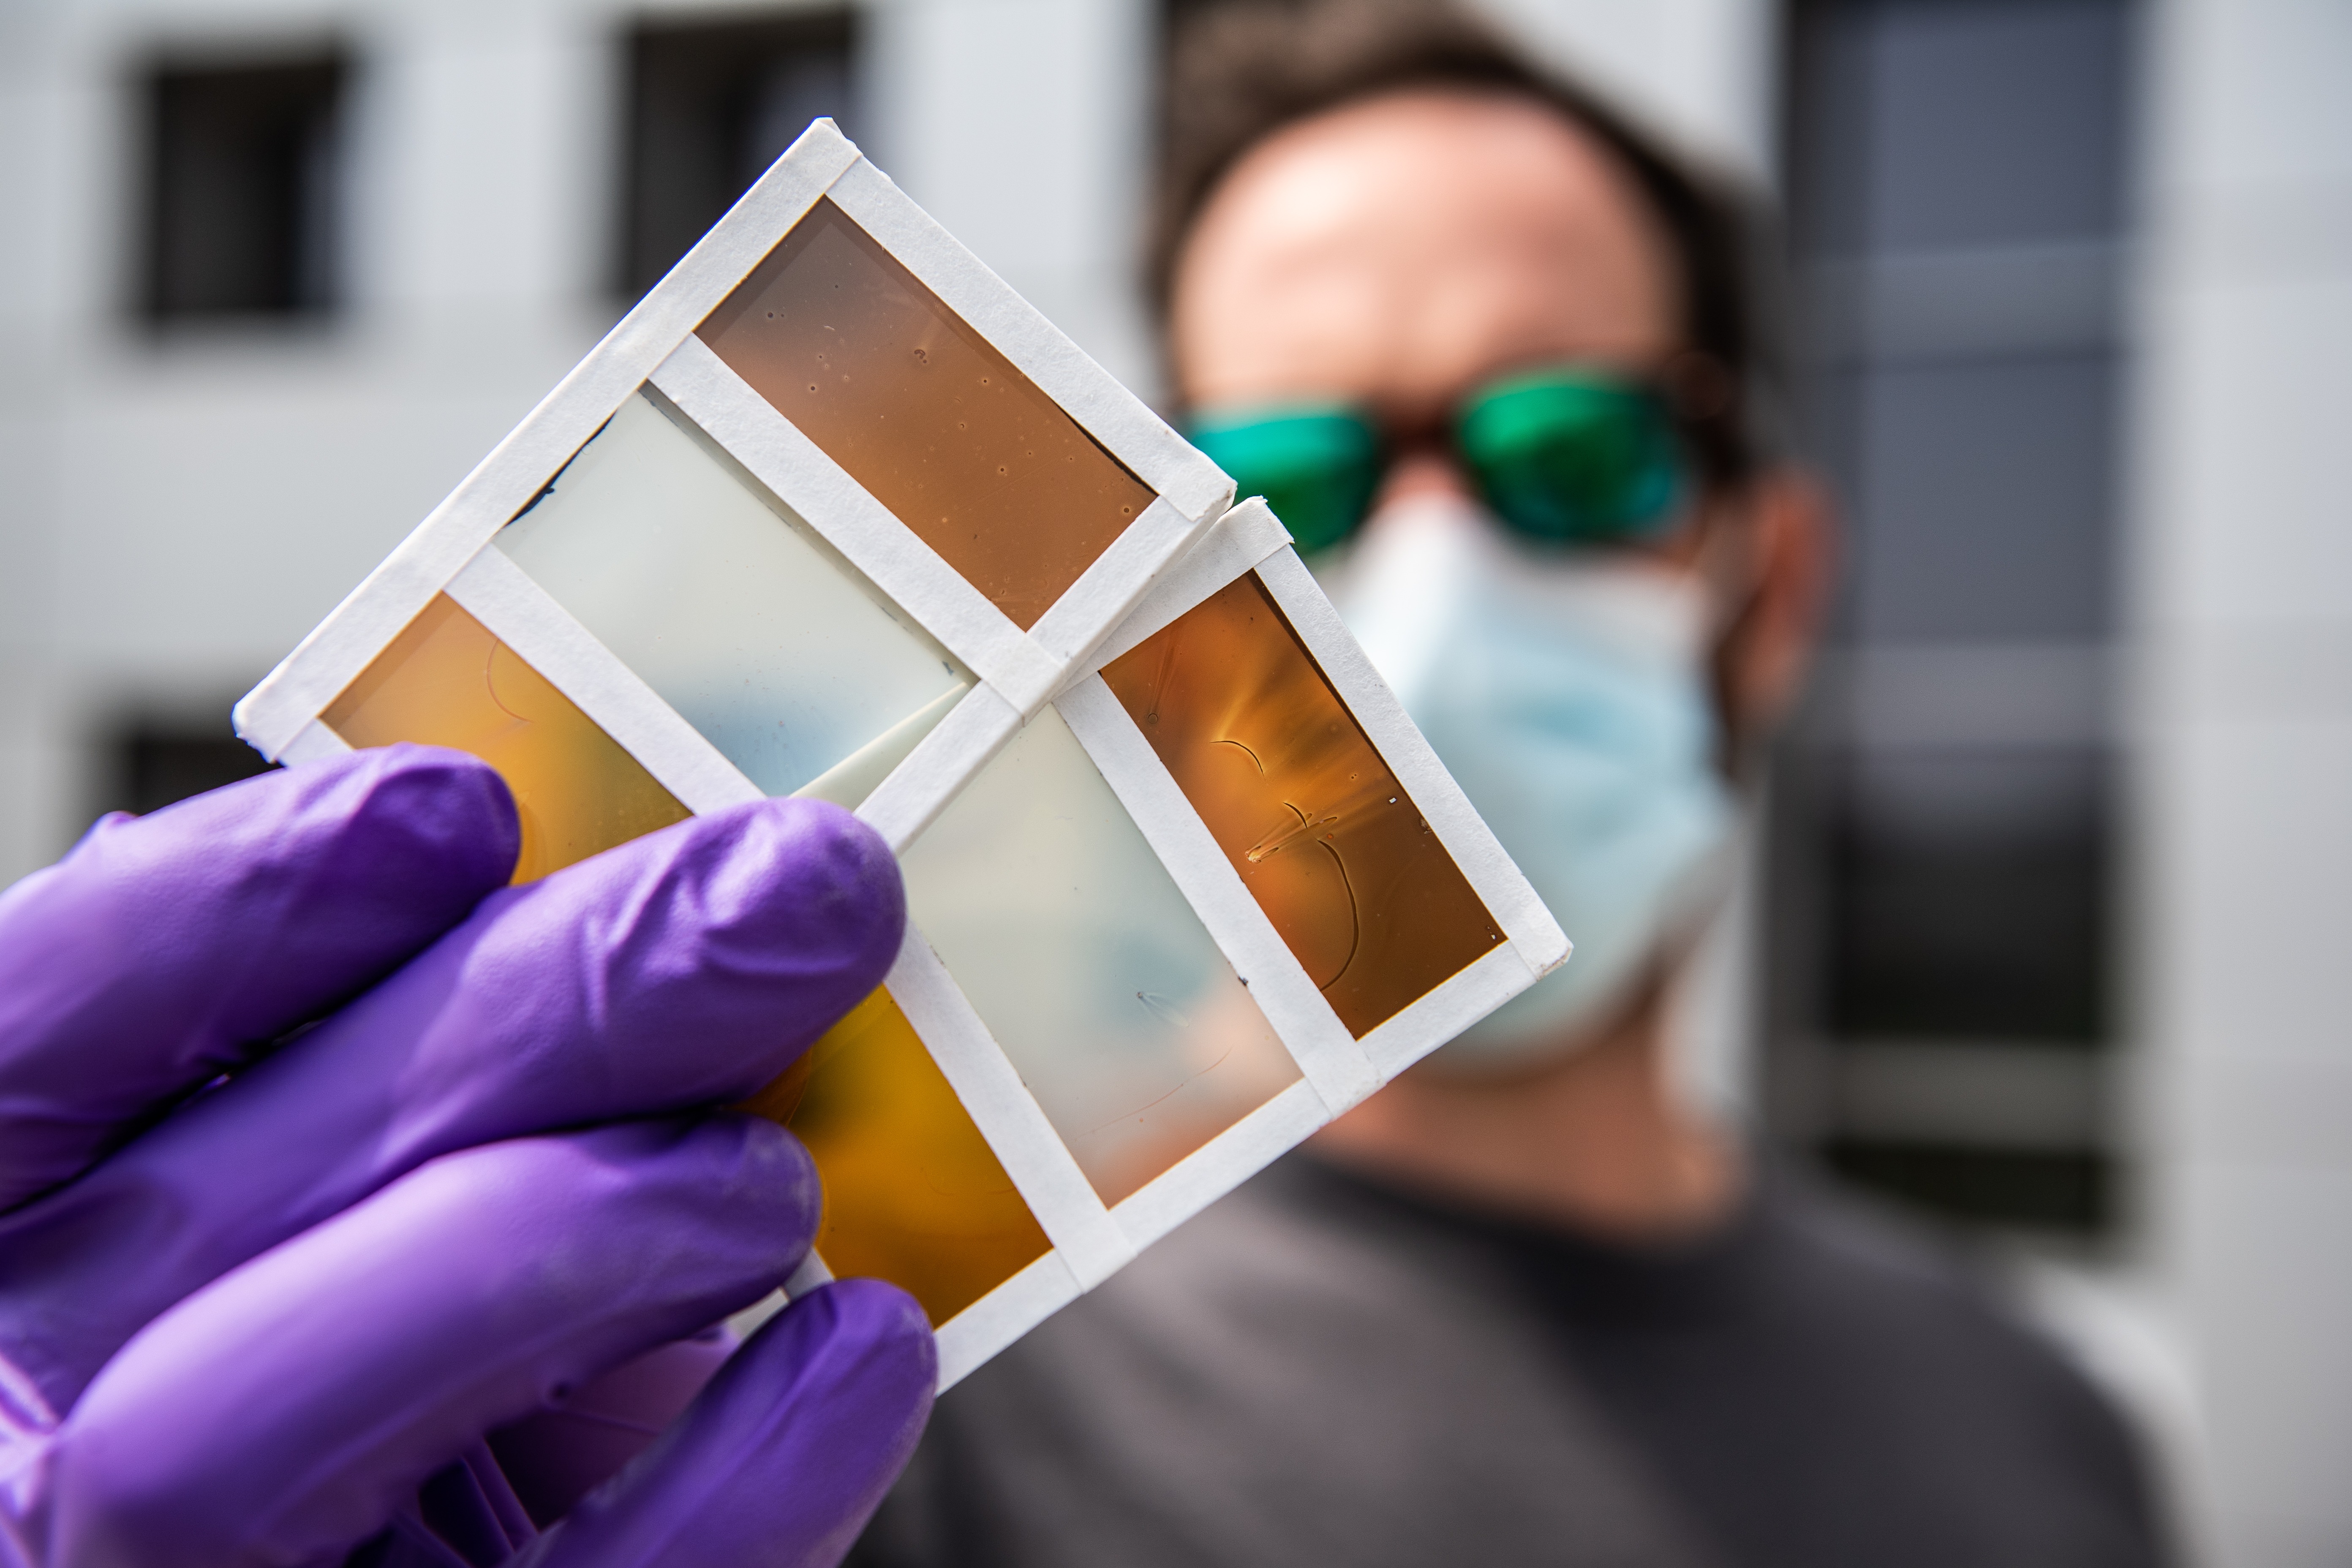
(833, 512)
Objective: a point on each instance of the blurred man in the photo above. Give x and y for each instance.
(1491, 355)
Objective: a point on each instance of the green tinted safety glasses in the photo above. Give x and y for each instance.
(1566, 457)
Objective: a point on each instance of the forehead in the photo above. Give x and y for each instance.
(1403, 247)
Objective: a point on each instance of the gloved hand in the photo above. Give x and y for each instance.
(323, 1154)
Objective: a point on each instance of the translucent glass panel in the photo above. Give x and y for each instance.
(447, 681)
(782, 654)
(1094, 974)
(925, 413)
(1318, 828)
(912, 1193)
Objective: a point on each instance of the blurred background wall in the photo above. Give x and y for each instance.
(2041, 936)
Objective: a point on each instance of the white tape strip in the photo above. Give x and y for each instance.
(1042, 1171)
(741, 239)
(1027, 680)
(1225, 1163)
(1450, 1007)
(1105, 593)
(1236, 542)
(850, 781)
(973, 1336)
(706, 391)
(310, 742)
(503, 483)
(503, 597)
(754, 1318)
(921, 787)
(269, 717)
(1325, 1052)
(1496, 878)
(810, 1274)
(1115, 417)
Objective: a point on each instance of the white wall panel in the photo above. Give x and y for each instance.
(958, 84)
(2244, 711)
(1703, 71)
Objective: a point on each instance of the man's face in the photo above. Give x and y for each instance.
(1400, 253)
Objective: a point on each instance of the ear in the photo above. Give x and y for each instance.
(1785, 516)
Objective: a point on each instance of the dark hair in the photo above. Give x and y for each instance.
(1239, 70)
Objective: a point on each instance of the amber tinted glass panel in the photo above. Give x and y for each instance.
(912, 1193)
(447, 681)
(1318, 828)
(1071, 941)
(925, 413)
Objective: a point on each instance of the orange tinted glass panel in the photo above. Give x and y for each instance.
(1320, 831)
(912, 1193)
(925, 413)
(447, 681)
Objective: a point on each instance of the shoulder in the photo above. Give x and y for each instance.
(1829, 1258)
(1881, 1314)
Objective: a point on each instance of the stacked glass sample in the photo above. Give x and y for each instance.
(833, 512)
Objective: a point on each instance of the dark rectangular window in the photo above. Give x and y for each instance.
(243, 175)
(1969, 896)
(1942, 865)
(711, 103)
(151, 763)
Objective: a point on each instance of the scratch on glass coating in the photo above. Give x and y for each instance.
(1164, 1010)
(1355, 912)
(1384, 915)
(1161, 1099)
(1229, 740)
(1170, 640)
(491, 683)
(1280, 836)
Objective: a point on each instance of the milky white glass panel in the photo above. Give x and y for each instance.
(724, 602)
(1071, 943)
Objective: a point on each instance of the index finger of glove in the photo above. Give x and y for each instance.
(685, 967)
(157, 953)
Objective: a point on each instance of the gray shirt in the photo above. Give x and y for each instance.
(1321, 1371)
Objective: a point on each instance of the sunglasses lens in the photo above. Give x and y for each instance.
(1317, 468)
(1574, 460)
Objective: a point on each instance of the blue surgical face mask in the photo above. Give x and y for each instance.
(1567, 694)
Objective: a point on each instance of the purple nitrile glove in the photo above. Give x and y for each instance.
(323, 1154)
